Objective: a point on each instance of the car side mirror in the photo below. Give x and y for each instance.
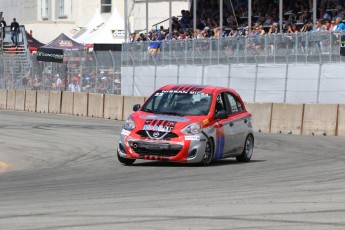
(136, 107)
(221, 115)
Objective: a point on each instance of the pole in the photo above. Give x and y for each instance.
(249, 17)
(221, 16)
(147, 17)
(170, 15)
(126, 20)
(194, 16)
(281, 16)
(314, 11)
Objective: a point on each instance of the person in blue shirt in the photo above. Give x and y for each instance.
(339, 24)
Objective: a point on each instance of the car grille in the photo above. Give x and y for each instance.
(155, 149)
(153, 134)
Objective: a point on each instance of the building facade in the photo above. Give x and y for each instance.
(46, 19)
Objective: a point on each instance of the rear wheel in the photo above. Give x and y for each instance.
(248, 150)
(208, 156)
(125, 161)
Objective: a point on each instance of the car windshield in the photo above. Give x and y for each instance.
(179, 103)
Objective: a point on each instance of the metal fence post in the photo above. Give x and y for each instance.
(113, 79)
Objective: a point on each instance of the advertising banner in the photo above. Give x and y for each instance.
(49, 55)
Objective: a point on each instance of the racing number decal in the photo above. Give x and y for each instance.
(220, 141)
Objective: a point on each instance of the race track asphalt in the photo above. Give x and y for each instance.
(64, 174)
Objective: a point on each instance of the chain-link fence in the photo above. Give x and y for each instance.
(316, 47)
(97, 72)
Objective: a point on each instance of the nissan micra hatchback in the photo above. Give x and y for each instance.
(188, 123)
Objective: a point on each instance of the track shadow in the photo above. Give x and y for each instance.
(177, 164)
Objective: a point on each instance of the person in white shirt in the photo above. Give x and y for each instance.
(74, 86)
(58, 82)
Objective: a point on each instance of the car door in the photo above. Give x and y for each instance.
(224, 132)
(238, 120)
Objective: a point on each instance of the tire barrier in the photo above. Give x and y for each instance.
(298, 119)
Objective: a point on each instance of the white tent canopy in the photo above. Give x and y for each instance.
(93, 26)
(112, 32)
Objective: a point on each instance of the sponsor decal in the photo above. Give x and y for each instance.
(206, 121)
(65, 43)
(192, 138)
(220, 141)
(159, 125)
(118, 34)
(167, 118)
(125, 132)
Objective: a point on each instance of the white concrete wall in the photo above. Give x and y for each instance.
(279, 83)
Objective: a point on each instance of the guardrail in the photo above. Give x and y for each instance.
(299, 119)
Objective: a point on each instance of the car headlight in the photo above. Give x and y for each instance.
(193, 128)
(129, 124)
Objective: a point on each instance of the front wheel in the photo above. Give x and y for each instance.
(125, 161)
(208, 156)
(248, 150)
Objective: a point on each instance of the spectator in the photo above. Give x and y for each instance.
(339, 24)
(2, 26)
(292, 28)
(308, 27)
(74, 86)
(14, 32)
(273, 29)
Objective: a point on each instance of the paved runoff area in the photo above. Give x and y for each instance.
(61, 172)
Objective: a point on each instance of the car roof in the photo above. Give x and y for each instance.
(200, 88)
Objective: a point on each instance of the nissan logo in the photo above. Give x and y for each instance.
(155, 134)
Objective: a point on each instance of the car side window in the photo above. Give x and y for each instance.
(235, 104)
(220, 103)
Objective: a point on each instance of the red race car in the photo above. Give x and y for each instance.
(188, 123)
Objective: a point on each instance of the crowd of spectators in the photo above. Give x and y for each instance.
(90, 81)
(297, 17)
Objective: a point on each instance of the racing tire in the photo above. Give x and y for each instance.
(208, 156)
(125, 161)
(247, 152)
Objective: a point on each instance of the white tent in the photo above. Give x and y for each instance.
(111, 33)
(95, 24)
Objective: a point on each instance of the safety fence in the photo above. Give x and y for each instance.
(97, 72)
(242, 63)
(298, 119)
(309, 47)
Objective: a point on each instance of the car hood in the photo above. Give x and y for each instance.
(162, 122)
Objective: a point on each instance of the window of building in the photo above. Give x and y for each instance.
(45, 9)
(61, 8)
(105, 6)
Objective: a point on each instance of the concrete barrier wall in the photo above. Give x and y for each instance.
(320, 119)
(287, 118)
(30, 100)
(55, 102)
(341, 121)
(67, 102)
(20, 100)
(262, 113)
(11, 99)
(113, 107)
(95, 105)
(3, 98)
(128, 102)
(308, 119)
(80, 104)
(42, 102)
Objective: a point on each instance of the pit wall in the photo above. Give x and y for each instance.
(298, 119)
